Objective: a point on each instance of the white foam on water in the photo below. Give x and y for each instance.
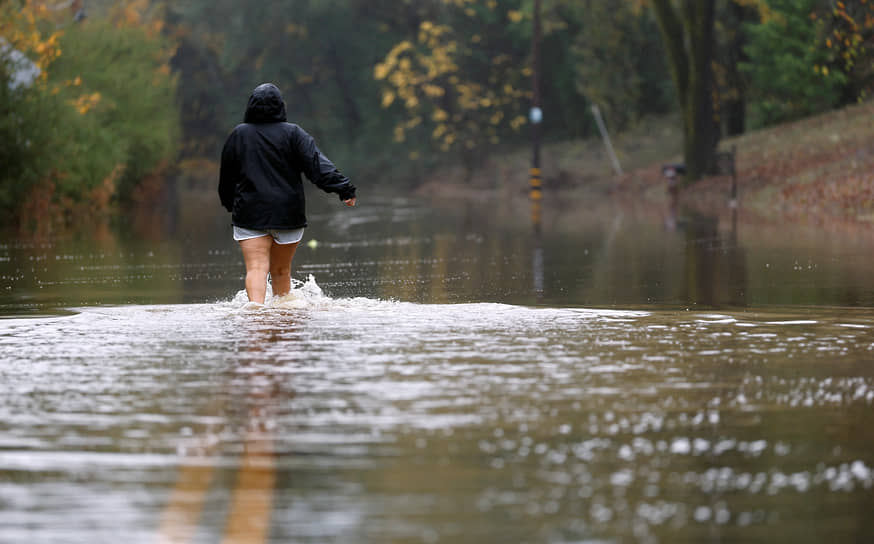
(303, 295)
(308, 297)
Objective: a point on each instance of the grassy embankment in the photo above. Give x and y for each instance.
(817, 171)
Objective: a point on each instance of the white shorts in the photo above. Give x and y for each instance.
(280, 236)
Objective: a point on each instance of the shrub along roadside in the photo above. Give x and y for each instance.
(80, 138)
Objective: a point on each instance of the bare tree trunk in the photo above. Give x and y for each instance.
(688, 34)
(735, 105)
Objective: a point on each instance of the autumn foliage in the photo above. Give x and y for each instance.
(433, 79)
(100, 116)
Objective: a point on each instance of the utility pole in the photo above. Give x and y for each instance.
(536, 116)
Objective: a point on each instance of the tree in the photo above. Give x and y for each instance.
(619, 65)
(848, 37)
(687, 29)
(314, 52)
(464, 80)
(791, 75)
(732, 37)
(99, 118)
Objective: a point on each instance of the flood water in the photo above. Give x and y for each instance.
(440, 376)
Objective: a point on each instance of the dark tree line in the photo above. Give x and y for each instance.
(429, 76)
(401, 85)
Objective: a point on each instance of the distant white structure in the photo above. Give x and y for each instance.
(22, 71)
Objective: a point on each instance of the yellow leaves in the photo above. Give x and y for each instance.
(467, 96)
(156, 27)
(23, 28)
(132, 15)
(517, 122)
(86, 102)
(451, 85)
(431, 34)
(400, 48)
(298, 31)
(766, 13)
(413, 123)
(380, 71)
(400, 80)
(433, 91)
(388, 98)
(448, 140)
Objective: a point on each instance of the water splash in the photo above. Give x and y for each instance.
(303, 295)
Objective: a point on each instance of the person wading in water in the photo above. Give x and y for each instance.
(260, 185)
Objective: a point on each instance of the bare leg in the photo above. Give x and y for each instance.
(256, 253)
(280, 267)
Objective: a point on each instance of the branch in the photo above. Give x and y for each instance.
(671, 27)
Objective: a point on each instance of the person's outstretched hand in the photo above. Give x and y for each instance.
(350, 202)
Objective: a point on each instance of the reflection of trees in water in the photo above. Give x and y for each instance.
(714, 268)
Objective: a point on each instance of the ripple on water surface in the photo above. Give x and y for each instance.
(366, 420)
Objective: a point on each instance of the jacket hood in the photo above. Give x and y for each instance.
(265, 105)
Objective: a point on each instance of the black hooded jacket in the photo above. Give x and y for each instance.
(262, 161)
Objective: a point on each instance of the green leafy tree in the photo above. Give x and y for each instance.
(848, 36)
(100, 117)
(462, 77)
(320, 54)
(791, 74)
(619, 63)
(134, 115)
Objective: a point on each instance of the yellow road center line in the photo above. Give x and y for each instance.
(182, 513)
(252, 499)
